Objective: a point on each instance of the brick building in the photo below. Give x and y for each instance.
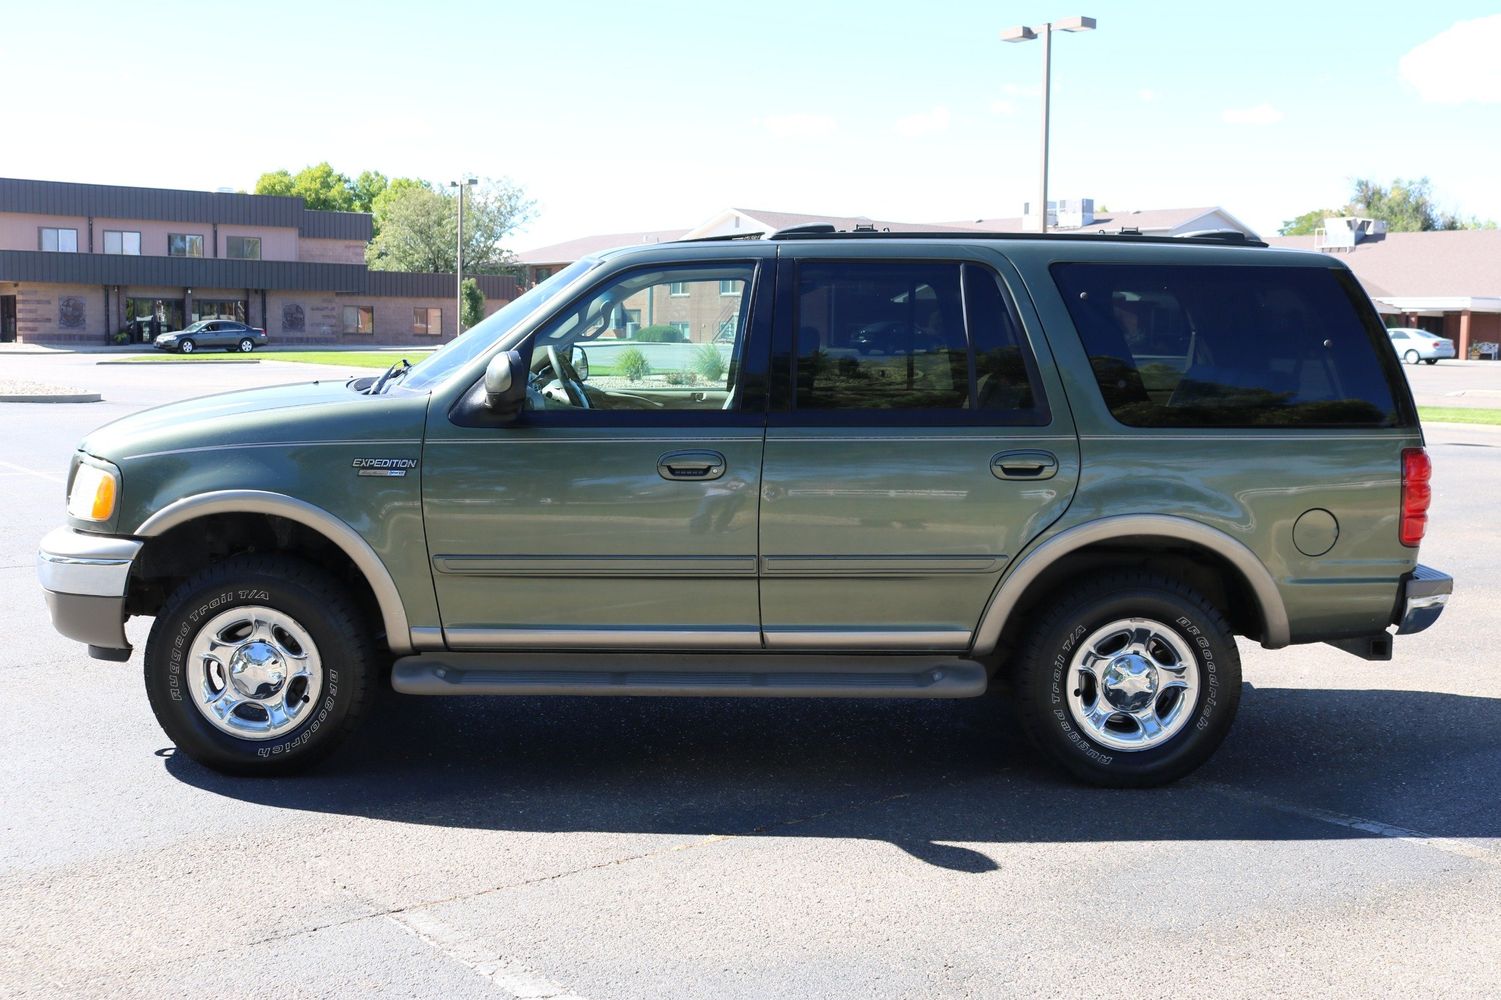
(80, 263)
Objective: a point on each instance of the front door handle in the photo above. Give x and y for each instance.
(1024, 465)
(700, 465)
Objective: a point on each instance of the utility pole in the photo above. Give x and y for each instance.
(458, 278)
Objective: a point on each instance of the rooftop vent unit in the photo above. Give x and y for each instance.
(1347, 232)
(1068, 213)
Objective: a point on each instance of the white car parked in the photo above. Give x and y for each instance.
(1413, 346)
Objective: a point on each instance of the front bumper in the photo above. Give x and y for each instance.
(1425, 591)
(84, 578)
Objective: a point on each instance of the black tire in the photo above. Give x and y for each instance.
(319, 605)
(1411, 357)
(1042, 679)
(246, 345)
(186, 346)
(1430, 361)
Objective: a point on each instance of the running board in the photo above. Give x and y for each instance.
(749, 675)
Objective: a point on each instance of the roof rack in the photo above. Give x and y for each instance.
(825, 231)
(723, 238)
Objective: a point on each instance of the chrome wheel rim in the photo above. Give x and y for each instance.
(254, 672)
(1133, 684)
(245, 346)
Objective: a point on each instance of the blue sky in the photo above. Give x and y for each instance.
(648, 115)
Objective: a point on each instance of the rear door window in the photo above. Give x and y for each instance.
(1215, 346)
(935, 336)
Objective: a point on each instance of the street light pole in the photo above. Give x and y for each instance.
(1026, 34)
(458, 278)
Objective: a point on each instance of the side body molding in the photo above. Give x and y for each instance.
(393, 612)
(1178, 529)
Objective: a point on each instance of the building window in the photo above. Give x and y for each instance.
(58, 240)
(685, 331)
(677, 289)
(242, 247)
(729, 286)
(184, 245)
(122, 242)
(428, 321)
(543, 273)
(360, 319)
(219, 309)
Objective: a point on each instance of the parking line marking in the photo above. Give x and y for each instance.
(51, 477)
(1449, 845)
(516, 978)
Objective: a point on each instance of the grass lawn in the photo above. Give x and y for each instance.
(1459, 415)
(342, 359)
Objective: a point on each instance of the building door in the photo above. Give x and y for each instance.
(7, 319)
(913, 448)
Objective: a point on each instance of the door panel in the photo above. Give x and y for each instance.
(559, 536)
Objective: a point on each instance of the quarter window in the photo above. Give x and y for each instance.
(184, 245)
(58, 240)
(242, 247)
(1215, 346)
(117, 241)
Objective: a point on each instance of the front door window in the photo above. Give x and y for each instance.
(657, 339)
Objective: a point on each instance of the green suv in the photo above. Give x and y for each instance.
(813, 465)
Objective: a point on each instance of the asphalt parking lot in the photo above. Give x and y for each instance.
(1346, 840)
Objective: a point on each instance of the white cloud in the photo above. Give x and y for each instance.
(1457, 65)
(1003, 107)
(1261, 114)
(924, 123)
(799, 126)
(1146, 96)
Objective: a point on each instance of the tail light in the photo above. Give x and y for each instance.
(1417, 470)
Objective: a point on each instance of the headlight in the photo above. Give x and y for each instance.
(94, 493)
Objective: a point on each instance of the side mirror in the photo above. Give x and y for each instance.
(505, 382)
(580, 362)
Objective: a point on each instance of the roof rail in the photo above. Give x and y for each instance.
(722, 238)
(828, 232)
(1222, 235)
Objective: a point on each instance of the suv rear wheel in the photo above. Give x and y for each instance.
(259, 665)
(1131, 682)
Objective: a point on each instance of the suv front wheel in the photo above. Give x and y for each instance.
(259, 665)
(1130, 682)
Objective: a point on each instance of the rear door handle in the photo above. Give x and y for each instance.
(1024, 465)
(702, 465)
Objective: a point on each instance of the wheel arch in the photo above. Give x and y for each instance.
(1042, 569)
(333, 530)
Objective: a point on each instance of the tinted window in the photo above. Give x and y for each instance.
(1175, 346)
(893, 336)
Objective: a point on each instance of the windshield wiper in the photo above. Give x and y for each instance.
(397, 370)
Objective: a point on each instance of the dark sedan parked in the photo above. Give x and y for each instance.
(225, 333)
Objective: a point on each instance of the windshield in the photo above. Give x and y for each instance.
(488, 332)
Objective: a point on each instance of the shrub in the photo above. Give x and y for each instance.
(632, 364)
(659, 333)
(708, 362)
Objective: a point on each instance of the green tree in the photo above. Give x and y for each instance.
(474, 303)
(320, 186)
(366, 188)
(1406, 206)
(1305, 224)
(416, 225)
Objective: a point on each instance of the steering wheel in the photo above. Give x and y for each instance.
(568, 378)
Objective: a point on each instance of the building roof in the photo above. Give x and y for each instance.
(572, 250)
(1152, 220)
(1463, 263)
(169, 205)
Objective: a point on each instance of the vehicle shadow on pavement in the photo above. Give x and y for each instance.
(928, 777)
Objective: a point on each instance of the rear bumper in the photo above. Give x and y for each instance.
(84, 578)
(1425, 591)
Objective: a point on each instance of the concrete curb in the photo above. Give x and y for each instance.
(60, 397)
